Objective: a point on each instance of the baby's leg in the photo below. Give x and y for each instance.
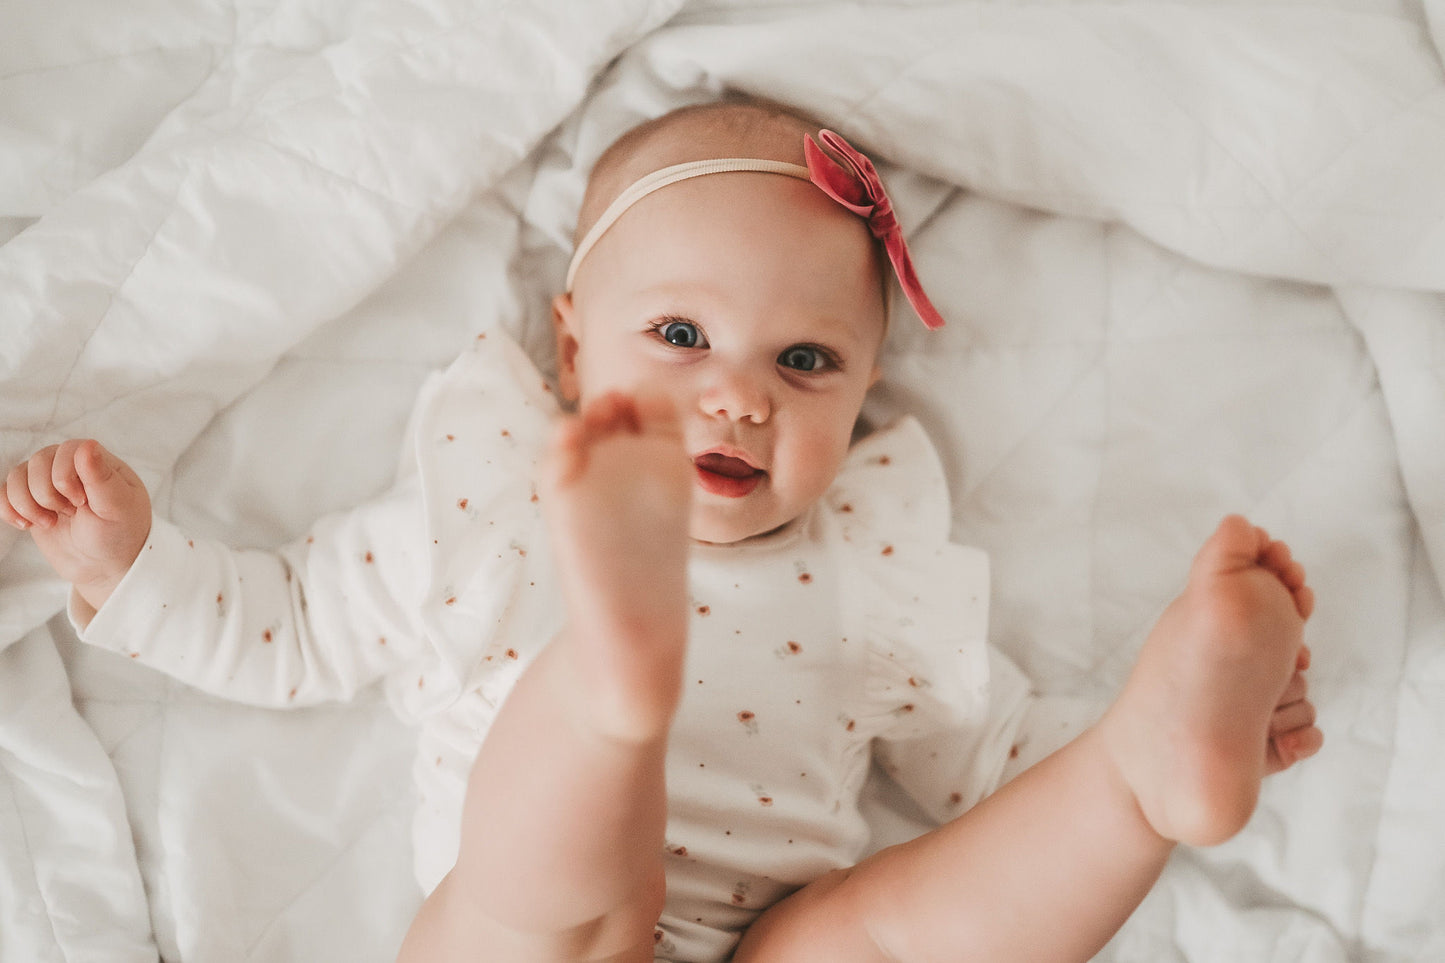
(1053, 863)
(562, 835)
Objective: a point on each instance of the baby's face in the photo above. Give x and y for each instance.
(754, 303)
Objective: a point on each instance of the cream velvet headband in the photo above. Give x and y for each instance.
(843, 173)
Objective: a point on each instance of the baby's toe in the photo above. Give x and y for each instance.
(1235, 544)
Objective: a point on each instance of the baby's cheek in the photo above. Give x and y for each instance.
(819, 455)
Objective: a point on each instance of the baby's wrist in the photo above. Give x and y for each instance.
(98, 590)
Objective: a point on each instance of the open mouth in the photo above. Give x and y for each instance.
(726, 475)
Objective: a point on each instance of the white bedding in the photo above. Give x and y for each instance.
(1193, 254)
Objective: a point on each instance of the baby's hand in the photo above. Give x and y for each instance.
(88, 512)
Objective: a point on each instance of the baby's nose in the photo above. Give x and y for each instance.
(736, 396)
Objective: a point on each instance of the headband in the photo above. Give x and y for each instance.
(852, 182)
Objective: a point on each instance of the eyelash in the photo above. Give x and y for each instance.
(658, 326)
(829, 360)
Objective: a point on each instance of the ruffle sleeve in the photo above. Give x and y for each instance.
(942, 705)
(480, 430)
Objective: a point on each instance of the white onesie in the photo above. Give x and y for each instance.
(855, 632)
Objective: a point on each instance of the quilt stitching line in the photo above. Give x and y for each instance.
(63, 389)
(111, 58)
(29, 849)
(322, 872)
(289, 151)
(1204, 130)
(1089, 366)
(1125, 641)
(1372, 872)
(393, 53)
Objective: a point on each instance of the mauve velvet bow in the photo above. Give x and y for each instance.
(858, 188)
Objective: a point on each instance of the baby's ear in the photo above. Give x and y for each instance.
(564, 325)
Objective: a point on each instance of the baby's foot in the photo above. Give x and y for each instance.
(618, 490)
(1217, 699)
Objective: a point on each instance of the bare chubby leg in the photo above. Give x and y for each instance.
(562, 835)
(1051, 865)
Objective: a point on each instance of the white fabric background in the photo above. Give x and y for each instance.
(1192, 255)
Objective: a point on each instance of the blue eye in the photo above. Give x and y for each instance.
(681, 334)
(802, 357)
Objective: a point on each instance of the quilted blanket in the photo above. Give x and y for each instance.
(1193, 258)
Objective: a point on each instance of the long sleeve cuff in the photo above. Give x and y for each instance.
(134, 607)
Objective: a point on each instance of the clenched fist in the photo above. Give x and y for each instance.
(88, 512)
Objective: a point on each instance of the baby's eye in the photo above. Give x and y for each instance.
(681, 334)
(802, 357)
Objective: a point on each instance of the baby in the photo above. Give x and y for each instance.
(731, 608)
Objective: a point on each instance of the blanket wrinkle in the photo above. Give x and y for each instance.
(1112, 657)
(1407, 347)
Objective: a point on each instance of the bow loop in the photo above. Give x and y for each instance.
(849, 177)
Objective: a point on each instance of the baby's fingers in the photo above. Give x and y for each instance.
(9, 512)
(27, 504)
(64, 477)
(112, 490)
(41, 471)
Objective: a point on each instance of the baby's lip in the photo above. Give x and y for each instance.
(727, 473)
(728, 462)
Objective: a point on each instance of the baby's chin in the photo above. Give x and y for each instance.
(707, 530)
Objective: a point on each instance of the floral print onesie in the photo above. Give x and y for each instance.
(854, 633)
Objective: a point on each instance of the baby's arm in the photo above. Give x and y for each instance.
(239, 624)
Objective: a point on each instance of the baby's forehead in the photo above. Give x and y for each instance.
(702, 133)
